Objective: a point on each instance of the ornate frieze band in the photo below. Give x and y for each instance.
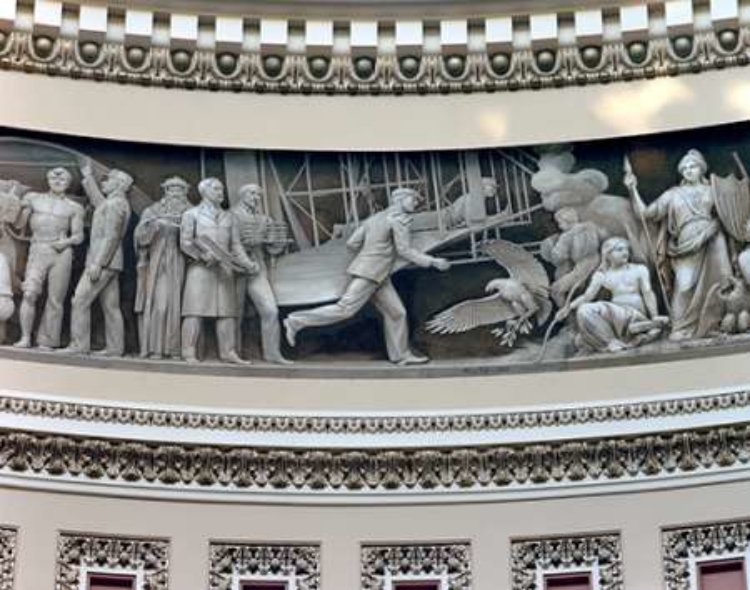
(79, 555)
(449, 564)
(296, 565)
(531, 466)
(8, 549)
(459, 66)
(375, 424)
(597, 555)
(683, 546)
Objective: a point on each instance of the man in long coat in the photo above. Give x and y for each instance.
(161, 271)
(210, 238)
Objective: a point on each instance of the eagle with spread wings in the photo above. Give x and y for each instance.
(512, 302)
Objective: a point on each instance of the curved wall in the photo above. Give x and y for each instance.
(677, 467)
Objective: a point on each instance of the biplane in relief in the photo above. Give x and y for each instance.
(323, 197)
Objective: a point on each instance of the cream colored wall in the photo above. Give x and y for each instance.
(340, 529)
(551, 388)
(373, 123)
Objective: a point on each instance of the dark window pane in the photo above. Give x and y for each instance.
(263, 585)
(416, 586)
(110, 582)
(727, 574)
(568, 581)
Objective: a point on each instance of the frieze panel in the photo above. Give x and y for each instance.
(232, 563)
(597, 555)
(79, 555)
(605, 251)
(625, 459)
(8, 550)
(683, 547)
(449, 564)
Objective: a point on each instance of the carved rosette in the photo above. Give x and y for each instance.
(297, 563)
(450, 562)
(602, 554)
(681, 546)
(8, 547)
(78, 553)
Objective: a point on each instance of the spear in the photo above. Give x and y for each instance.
(628, 167)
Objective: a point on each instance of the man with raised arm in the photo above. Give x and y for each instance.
(104, 263)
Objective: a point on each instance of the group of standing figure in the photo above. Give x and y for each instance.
(194, 262)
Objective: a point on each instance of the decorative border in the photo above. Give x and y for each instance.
(681, 547)
(78, 553)
(22, 405)
(8, 549)
(511, 70)
(600, 554)
(424, 470)
(450, 562)
(230, 561)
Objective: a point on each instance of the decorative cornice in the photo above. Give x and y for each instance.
(601, 555)
(342, 424)
(529, 466)
(298, 565)
(449, 562)
(8, 549)
(682, 546)
(469, 71)
(78, 554)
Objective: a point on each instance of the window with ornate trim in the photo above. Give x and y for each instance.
(712, 556)
(576, 562)
(253, 566)
(109, 562)
(438, 566)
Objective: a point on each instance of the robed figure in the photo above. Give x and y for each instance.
(161, 271)
(690, 242)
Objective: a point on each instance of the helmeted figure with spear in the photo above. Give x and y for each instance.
(689, 246)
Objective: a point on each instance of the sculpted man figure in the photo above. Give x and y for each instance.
(379, 242)
(210, 238)
(630, 317)
(104, 262)
(258, 233)
(56, 224)
(161, 271)
(574, 252)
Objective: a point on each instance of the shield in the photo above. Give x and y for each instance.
(732, 197)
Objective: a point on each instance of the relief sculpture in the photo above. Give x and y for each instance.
(514, 256)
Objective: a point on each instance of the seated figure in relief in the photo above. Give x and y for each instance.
(629, 317)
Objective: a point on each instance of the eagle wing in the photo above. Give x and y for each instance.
(471, 314)
(520, 264)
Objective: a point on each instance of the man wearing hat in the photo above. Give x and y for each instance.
(104, 263)
(379, 242)
(161, 271)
